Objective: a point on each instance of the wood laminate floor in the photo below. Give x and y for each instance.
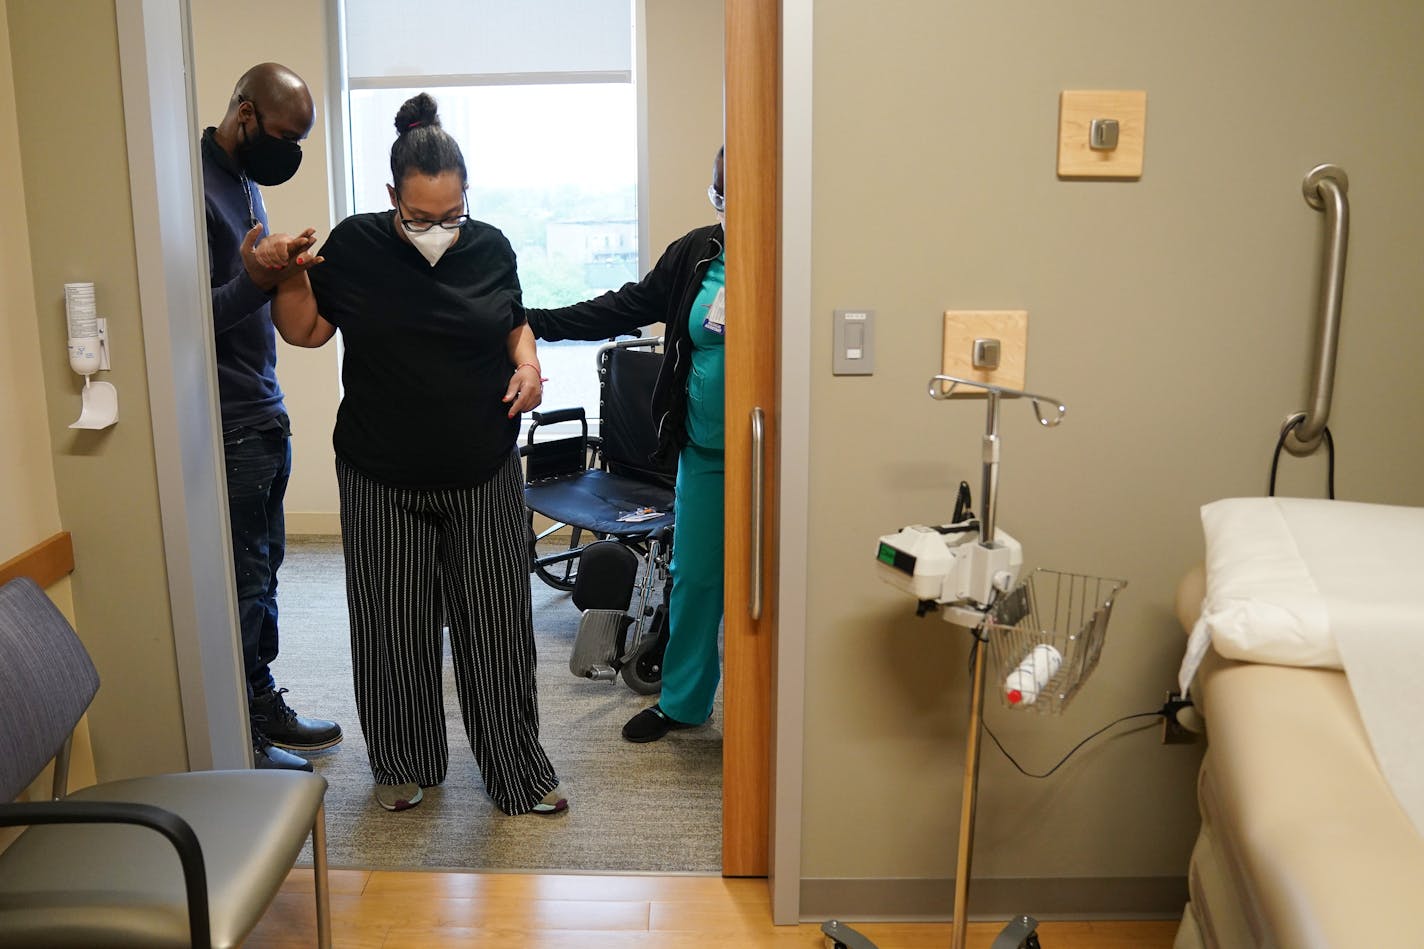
(378, 909)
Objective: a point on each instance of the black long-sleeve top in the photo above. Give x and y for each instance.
(427, 360)
(665, 295)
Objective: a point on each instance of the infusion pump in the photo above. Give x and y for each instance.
(949, 565)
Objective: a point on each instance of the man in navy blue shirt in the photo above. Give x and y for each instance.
(257, 143)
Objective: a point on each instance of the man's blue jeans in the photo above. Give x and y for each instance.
(259, 462)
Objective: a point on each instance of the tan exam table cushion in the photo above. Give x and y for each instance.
(1326, 855)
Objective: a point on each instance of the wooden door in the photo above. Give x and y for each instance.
(753, 42)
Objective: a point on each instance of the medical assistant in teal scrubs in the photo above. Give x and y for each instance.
(691, 667)
(684, 291)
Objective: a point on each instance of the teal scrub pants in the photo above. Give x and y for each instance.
(691, 667)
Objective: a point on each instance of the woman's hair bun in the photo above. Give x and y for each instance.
(418, 111)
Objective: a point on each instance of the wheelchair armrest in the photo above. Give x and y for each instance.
(170, 825)
(559, 415)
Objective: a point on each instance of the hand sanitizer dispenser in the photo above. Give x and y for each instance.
(88, 354)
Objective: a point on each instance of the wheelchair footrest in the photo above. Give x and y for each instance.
(596, 645)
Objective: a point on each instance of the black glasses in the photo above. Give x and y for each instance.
(420, 225)
(718, 199)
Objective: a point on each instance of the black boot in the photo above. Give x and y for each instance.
(273, 717)
(267, 755)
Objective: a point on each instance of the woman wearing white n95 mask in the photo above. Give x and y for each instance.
(438, 365)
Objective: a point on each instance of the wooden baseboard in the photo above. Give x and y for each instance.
(922, 899)
(46, 563)
(313, 523)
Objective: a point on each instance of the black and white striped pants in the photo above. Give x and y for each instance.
(412, 555)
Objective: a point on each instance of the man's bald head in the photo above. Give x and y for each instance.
(279, 95)
(269, 115)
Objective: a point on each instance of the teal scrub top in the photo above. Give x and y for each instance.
(707, 382)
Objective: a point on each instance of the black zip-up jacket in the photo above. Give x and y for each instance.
(665, 295)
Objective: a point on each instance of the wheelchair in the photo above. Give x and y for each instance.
(617, 506)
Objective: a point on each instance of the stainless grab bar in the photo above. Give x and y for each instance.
(1325, 188)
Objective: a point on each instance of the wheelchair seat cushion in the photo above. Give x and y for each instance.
(595, 500)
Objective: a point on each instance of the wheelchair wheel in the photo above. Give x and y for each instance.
(561, 574)
(644, 674)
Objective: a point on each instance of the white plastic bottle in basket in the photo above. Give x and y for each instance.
(1030, 676)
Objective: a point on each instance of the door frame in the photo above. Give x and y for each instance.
(794, 463)
(160, 115)
(160, 108)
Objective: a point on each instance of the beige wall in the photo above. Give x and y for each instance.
(684, 89)
(29, 505)
(29, 501)
(1174, 316)
(80, 227)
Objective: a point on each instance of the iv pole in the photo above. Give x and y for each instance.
(1020, 933)
(989, 491)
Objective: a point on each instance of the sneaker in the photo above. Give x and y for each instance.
(398, 797)
(286, 729)
(552, 803)
(267, 755)
(651, 724)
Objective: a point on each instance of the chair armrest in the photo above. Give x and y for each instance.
(170, 825)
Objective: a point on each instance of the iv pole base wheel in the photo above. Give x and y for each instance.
(1022, 933)
(840, 936)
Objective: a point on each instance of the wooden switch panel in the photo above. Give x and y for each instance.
(963, 327)
(1076, 111)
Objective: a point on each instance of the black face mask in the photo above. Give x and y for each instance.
(266, 159)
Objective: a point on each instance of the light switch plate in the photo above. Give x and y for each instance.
(853, 343)
(963, 327)
(1076, 112)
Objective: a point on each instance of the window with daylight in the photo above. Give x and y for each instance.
(540, 96)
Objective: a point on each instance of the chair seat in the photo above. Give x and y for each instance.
(103, 886)
(594, 500)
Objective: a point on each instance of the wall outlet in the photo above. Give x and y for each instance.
(1173, 733)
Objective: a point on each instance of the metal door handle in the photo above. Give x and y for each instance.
(758, 506)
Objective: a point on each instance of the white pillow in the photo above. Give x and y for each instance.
(1277, 569)
(1262, 603)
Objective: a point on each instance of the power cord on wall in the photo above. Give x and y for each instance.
(1033, 774)
(1169, 711)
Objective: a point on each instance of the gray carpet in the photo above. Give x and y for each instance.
(655, 807)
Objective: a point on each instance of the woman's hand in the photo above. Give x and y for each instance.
(278, 256)
(279, 251)
(526, 389)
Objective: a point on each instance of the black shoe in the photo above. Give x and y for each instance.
(273, 717)
(267, 755)
(651, 724)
